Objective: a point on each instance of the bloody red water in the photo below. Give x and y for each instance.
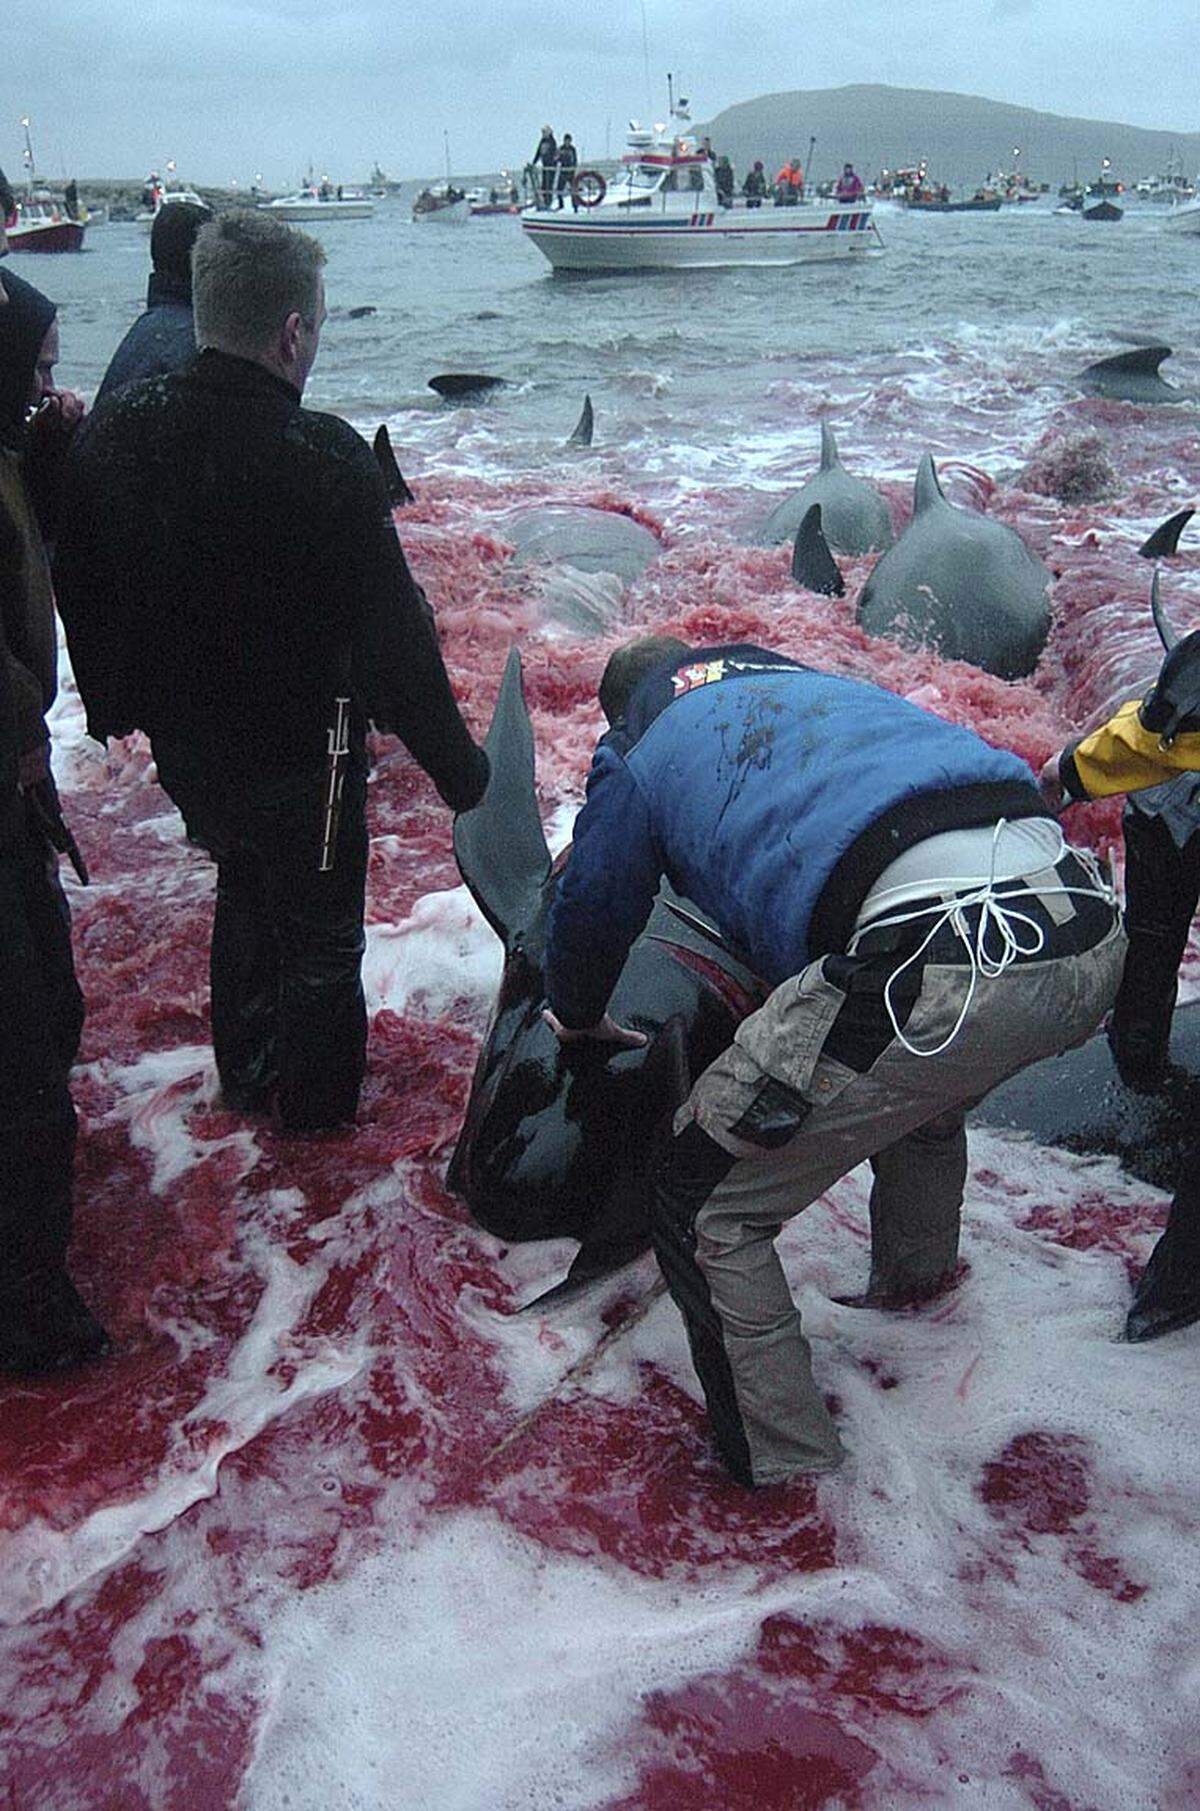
(320, 1367)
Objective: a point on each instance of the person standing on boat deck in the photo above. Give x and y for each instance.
(44, 1325)
(723, 177)
(163, 338)
(545, 159)
(755, 186)
(789, 184)
(568, 163)
(926, 931)
(849, 185)
(232, 584)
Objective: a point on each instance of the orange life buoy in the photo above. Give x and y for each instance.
(589, 188)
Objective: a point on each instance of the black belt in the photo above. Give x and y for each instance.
(1092, 922)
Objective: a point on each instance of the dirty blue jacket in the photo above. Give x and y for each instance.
(772, 796)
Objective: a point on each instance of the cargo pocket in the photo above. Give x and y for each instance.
(758, 1093)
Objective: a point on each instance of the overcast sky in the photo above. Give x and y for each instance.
(232, 88)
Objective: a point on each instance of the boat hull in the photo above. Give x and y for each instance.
(452, 213)
(1184, 219)
(319, 210)
(700, 241)
(55, 236)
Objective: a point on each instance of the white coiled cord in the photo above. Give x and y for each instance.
(996, 913)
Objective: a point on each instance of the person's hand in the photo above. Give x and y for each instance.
(605, 1031)
(1051, 787)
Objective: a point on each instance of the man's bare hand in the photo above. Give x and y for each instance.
(605, 1031)
(1051, 787)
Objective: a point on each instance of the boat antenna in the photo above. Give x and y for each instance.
(812, 139)
(670, 97)
(646, 62)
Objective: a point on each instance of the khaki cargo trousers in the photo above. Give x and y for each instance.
(815, 1082)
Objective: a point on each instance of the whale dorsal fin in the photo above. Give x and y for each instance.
(581, 434)
(829, 452)
(813, 566)
(398, 493)
(1165, 539)
(499, 846)
(1143, 361)
(927, 491)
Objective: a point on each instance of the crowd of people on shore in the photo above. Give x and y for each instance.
(231, 584)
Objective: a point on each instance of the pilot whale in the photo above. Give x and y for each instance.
(558, 1139)
(1078, 1102)
(961, 584)
(854, 517)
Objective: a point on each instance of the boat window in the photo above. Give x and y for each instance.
(641, 176)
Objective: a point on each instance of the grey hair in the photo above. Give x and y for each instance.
(249, 272)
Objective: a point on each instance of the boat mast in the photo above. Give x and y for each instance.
(27, 155)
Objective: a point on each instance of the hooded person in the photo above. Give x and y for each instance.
(163, 338)
(44, 1325)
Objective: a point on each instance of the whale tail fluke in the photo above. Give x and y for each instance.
(829, 451)
(813, 566)
(398, 492)
(1165, 539)
(1130, 376)
(581, 434)
(499, 845)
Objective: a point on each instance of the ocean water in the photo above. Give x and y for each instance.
(337, 1525)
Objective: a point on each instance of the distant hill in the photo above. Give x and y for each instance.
(960, 136)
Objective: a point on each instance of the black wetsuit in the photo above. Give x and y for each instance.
(227, 569)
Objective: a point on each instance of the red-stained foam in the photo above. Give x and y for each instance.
(319, 1365)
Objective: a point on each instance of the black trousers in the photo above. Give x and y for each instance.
(39, 1028)
(289, 1021)
(1162, 889)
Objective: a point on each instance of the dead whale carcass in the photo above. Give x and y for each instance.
(961, 584)
(558, 1140)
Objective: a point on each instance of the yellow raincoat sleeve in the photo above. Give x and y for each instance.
(1122, 756)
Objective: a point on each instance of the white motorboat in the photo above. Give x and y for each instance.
(448, 206)
(662, 212)
(321, 201)
(1184, 219)
(157, 195)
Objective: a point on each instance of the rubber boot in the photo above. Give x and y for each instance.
(45, 1326)
(1168, 1293)
(689, 1171)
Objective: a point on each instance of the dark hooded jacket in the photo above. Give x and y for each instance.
(228, 566)
(164, 337)
(26, 596)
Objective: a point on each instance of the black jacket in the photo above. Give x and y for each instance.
(161, 340)
(228, 566)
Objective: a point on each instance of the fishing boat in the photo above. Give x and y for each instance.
(1184, 219)
(37, 222)
(448, 206)
(661, 211)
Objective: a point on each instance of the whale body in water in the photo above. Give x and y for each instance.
(961, 584)
(854, 517)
